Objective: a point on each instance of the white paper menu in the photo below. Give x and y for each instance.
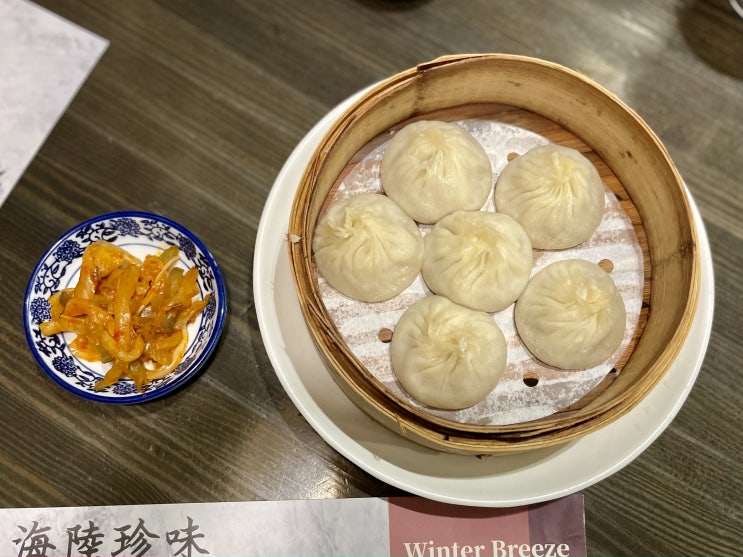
(364, 527)
(44, 59)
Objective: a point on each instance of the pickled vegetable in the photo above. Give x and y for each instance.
(133, 314)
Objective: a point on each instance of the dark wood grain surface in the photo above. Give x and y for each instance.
(192, 112)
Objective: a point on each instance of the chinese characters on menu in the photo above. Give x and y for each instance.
(39, 540)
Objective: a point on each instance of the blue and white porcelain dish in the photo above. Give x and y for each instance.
(140, 234)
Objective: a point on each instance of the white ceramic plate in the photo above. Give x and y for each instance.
(59, 267)
(497, 481)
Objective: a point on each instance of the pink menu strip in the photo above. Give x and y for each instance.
(561, 519)
(421, 528)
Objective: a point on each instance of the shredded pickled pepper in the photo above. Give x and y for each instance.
(131, 313)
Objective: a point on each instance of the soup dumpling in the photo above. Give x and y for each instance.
(445, 355)
(433, 168)
(555, 193)
(571, 315)
(478, 259)
(367, 247)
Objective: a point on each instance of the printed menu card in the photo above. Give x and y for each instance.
(363, 527)
(44, 59)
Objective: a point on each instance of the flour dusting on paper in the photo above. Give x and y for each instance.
(512, 401)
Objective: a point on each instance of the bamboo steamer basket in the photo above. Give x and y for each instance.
(643, 176)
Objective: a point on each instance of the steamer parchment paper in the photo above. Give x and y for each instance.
(513, 400)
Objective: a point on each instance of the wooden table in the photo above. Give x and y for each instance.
(192, 112)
